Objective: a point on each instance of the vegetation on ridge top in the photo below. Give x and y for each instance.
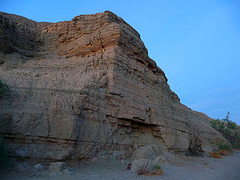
(229, 130)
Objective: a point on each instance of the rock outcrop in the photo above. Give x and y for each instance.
(87, 87)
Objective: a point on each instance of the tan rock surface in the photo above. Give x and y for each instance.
(87, 87)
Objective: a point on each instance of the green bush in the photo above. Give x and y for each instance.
(231, 125)
(236, 140)
(227, 147)
(156, 167)
(214, 123)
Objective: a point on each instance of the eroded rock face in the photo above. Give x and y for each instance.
(87, 87)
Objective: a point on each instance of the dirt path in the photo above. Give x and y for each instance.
(178, 168)
(227, 168)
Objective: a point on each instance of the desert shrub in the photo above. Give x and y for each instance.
(158, 172)
(227, 147)
(236, 138)
(214, 123)
(231, 125)
(215, 155)
(223, 152)
(143, 171)
(156, 167)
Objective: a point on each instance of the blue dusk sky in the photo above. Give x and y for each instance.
(196, 43)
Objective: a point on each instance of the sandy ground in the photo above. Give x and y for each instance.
(179, 167)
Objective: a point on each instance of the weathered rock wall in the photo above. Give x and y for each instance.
(87, 87)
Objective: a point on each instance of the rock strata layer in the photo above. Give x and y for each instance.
(87, 87)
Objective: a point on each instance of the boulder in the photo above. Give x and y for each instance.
(146, 152)
(56, 167)
(148, 164)
(140, 164)
(158, 161)
(38, 166)
(67, 172)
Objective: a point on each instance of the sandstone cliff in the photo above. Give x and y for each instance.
(87, 87)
